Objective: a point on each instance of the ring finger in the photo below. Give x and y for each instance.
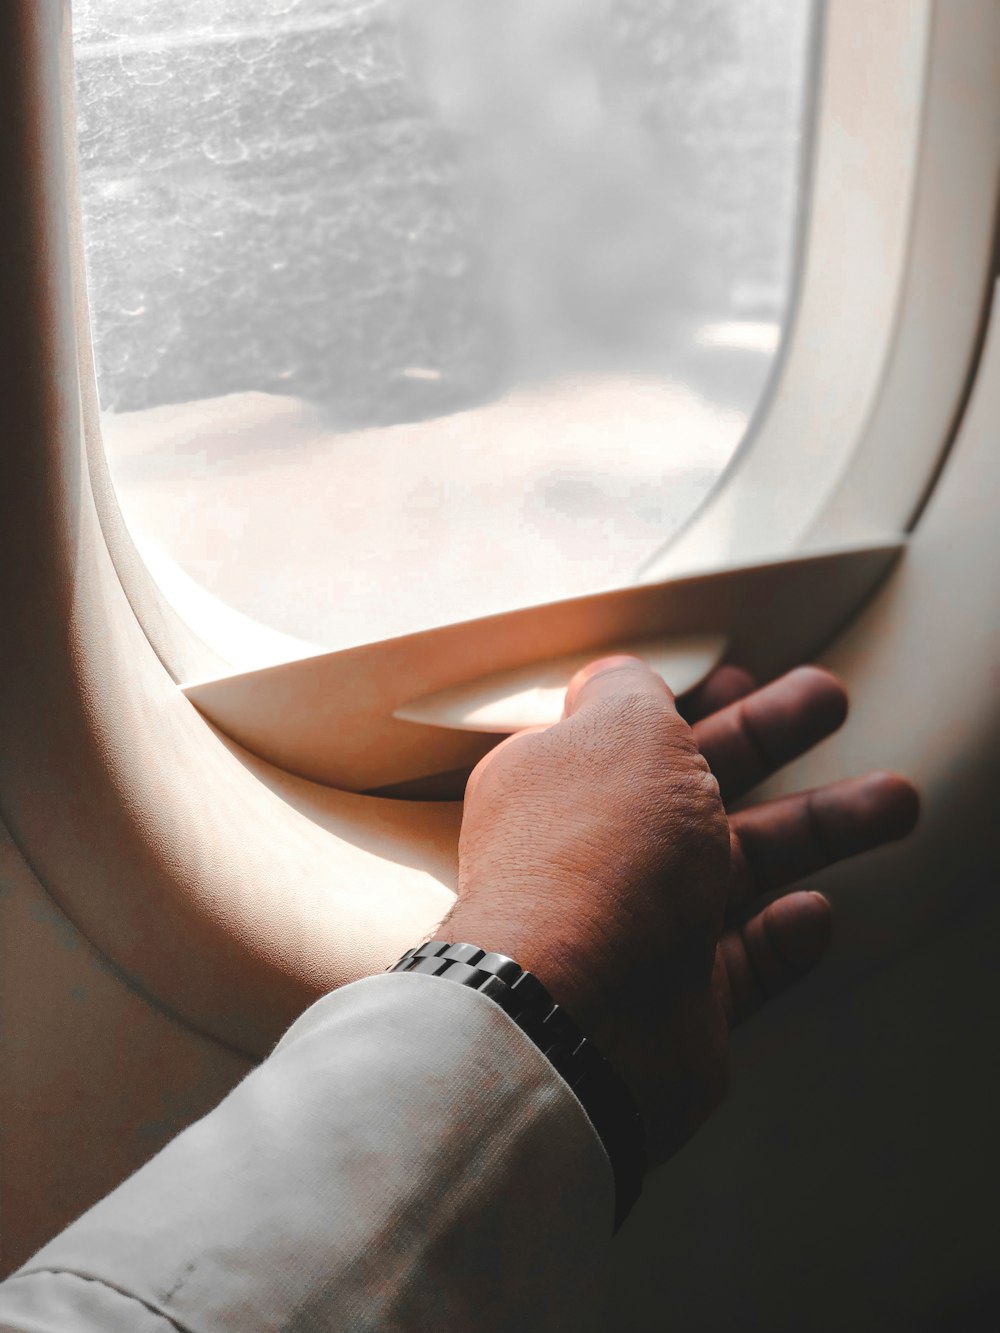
(786, 839)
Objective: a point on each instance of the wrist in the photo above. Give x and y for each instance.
(564, 966)
(574, 972)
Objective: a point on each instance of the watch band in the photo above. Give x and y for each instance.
(608, 1103)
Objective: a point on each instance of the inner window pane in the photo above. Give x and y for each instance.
(412, 310)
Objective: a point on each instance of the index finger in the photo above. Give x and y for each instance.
(754, 737)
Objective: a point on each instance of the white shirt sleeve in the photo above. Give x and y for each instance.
(405, 1159)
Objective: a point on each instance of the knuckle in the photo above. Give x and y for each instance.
(641, 710)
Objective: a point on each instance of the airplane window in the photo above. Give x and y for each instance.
(469, 300)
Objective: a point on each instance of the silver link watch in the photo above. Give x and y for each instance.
(606, 1100)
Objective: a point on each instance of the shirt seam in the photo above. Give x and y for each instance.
(108, 1286)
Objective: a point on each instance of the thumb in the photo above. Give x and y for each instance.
(612, 678)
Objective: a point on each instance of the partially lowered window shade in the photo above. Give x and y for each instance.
(408, 312)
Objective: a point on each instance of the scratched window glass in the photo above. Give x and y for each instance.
(410, 310)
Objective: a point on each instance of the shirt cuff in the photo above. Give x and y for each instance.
(405, 1159)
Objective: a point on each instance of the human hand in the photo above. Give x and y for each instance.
(598, 853)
